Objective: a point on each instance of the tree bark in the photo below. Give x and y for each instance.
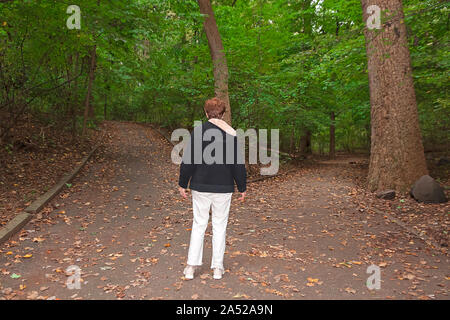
(332, 134)
(70, 91)
(87, 107)
(307, 17)
(220, 68)
(305, 143)
(73, 91)
(105, 106)
(291, 142)
(397, 157)
(305, 138)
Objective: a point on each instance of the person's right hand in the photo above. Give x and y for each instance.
(182, 192)
(243, 194)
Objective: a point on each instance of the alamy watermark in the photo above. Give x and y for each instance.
(374, 281)
(234, 150)
(74, 21)
(74, 277)
(374, 19)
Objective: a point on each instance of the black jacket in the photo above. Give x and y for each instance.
(219, 176)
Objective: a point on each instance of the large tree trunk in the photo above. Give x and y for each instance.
(332, 134)
(216, 50)
(397, 156)
(88, 110)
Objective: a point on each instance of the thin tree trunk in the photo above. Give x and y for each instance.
(332, 134)
(73, 94)
(305, 138)
(92, 79)
(70, 104)
(220, 68)
(105, 106)
(191, 106)
(307, 18)
(305, 143)
(87, 107)
(291, 142)
(397, 157)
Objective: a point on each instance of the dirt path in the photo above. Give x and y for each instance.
(298, 237)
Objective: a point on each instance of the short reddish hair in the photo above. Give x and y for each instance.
(214, 108)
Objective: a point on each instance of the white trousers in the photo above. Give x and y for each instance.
(220, 205)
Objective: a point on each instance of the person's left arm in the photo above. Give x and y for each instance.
(187, 168)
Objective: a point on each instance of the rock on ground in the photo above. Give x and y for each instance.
(427, 190)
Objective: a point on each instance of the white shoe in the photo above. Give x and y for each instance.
(189, 272)
(218, 273)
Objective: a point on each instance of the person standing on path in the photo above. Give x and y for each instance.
(212, 182)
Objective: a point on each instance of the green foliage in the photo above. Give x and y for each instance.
(291, 63)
